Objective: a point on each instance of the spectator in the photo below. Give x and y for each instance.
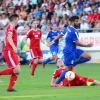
(58, 11)
(44, 10)
(45, 3)
(23, 13)
(2, 31)
(5, 20)
(37, 12)
(84, 26)
(50, 12)
(2, 62)
(44, 26)
(79, 9)
(97, 26)
(87, 8)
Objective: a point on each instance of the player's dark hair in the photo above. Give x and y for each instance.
(13, 17)
(73, 18)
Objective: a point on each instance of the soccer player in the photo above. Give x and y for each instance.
(77, 81)
(54, 48)
(10, 53)
(73, 55)
(58, 71)
(36, 53)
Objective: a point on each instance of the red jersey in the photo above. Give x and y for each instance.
(11, 29)
(58, 72)
(35, 37)
(78, 81)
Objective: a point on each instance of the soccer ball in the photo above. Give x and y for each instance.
(70, 75)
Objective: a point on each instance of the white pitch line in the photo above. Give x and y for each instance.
(36, 96)
(25, 96)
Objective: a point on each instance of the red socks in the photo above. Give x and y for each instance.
(13, 79)
(33, 68)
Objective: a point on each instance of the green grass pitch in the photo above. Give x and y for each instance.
(38, 87)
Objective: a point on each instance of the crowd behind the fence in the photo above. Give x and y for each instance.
(50, 12)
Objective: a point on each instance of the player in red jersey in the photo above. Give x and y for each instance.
(36, 53)
(58, 71)
(10, 51)
(77, 81)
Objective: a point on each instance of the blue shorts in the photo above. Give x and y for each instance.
(54, 50)
(70, 58)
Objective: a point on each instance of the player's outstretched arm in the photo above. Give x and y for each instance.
(56, 38)
(78, 43)
(52, 81)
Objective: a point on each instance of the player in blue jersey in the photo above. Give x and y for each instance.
(54, 48)
(72, 55)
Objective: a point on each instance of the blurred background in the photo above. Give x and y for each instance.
(49, 12)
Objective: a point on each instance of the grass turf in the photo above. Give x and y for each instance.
(38, 87)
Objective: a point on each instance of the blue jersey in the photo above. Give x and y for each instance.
(51, 36)
(55, 47)
(71, 36)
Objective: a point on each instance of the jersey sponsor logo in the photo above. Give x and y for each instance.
(36, 36)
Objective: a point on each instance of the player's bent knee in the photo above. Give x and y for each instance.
(86, 55)
(36, 60)
(89, 57)
(17, 70)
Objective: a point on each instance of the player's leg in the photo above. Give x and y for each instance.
(34, 54)
(14, 78)
(55, 57)
(54, 52)
(31, 62)
(15, 64)
(47, 60)
(8, 71)
(40, 58)
(96, 82)
(81, 57)
(34, 66)
(14, 68)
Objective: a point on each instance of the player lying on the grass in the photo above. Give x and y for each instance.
(58, 78)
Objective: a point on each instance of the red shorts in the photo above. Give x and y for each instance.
(11, 58)
(36, 53)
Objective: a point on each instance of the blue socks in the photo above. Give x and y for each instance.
(62, 76)
(47, 60)
(81, 60)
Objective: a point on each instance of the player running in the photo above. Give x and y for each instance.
(10, 53)
(72, 55)
(54, 48)
(58, 78)
(36, 53)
